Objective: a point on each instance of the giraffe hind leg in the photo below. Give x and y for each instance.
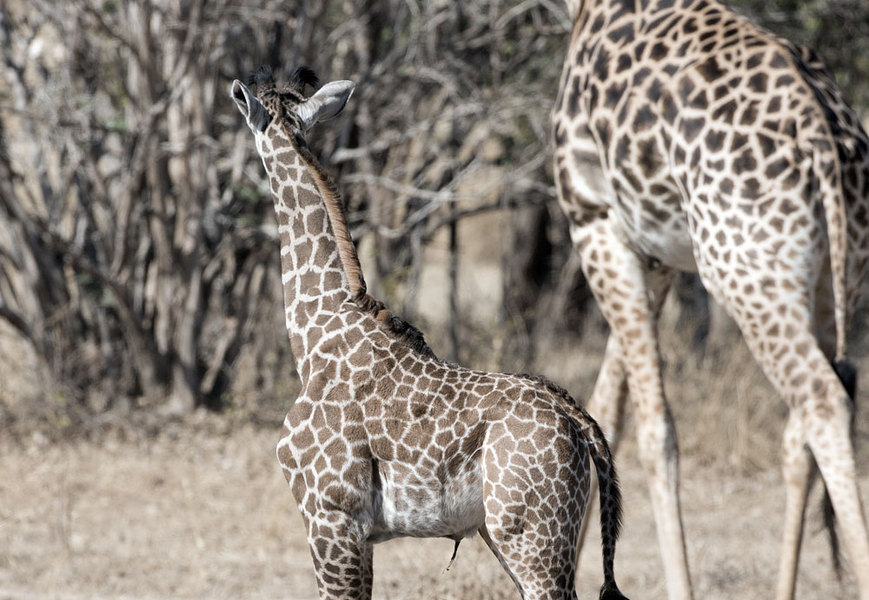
(629, 293)
(847, 374)
(533, 510)
(818, 400)
(798, 472)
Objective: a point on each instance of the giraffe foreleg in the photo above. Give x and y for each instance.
(343, 560)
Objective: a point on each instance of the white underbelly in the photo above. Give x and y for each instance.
(669, 243)
(408, 506)
(674, 250)
(665, 239)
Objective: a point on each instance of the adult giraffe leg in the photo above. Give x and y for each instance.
(798, 465)
(824, 408)
(629, 294)
(798, 471)
(780, 333)
(828, 418)
(606, 405)
(607, 402)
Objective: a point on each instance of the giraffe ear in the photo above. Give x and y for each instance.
(254, 113)
(326, 103)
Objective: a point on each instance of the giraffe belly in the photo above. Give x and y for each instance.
(672, 248)
(654, 230)
(419, 505)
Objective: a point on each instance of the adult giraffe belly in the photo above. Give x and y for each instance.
(634, 191)
(654, 233)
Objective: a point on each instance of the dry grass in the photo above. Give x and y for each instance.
(201, 512)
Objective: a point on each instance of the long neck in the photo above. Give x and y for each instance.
(319, 266)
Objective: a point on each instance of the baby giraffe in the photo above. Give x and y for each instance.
(385, 440)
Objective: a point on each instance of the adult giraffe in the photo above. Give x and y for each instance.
(687, 138)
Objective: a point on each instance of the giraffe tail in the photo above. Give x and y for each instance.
(825, 149)
(610, 508)
(829, 175)
(829, 178)
(826, 152)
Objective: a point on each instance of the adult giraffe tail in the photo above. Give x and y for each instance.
(827, 147)
(828, 172)
(827, 150)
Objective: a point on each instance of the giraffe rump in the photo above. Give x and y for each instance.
(610, 495)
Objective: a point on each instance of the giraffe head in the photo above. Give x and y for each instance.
(278, 112)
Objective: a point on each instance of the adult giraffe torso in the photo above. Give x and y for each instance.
(686, 138)
(385, 440)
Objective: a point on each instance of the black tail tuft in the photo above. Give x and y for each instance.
(830, 525)
(611, 592)
(847, 373)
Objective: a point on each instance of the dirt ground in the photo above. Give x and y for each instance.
(202, 511)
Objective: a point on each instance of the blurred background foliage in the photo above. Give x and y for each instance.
(138, 254)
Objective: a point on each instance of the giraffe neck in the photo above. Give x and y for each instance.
(319, 267)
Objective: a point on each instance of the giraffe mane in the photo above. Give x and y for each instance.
(350, 259)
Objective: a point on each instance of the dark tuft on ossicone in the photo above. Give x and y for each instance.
(263, 79)
(303, 76)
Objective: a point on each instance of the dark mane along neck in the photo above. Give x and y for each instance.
(350, 259)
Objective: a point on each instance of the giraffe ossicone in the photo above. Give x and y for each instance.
(385, 440)
(687, 138)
